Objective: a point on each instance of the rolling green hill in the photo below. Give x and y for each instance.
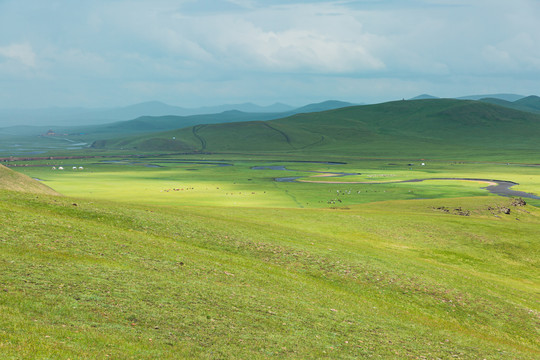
(421, 128)
(12, 180)
(161, 123)
(529, 103)
(323, 106)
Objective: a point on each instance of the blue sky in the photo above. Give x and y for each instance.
(104, 53)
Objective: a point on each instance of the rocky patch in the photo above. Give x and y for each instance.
(495, 210)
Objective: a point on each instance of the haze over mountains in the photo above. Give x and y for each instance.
(518, 102)
(506, 97)
(82, 116)
(58, 116)
(85, 116)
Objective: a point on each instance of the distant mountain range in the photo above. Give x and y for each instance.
(512, 101)
(83, 116)
(169, 122)
(323, 106)
(424, 97)
(505, 97)
(87, 117)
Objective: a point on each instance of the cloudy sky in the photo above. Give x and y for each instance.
(102, 53)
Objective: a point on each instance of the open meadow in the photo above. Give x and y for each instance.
(208, 256)
(234, 180)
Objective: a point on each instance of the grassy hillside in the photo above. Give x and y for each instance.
(529, 103)
(160, 123)
(421, 128)
(323, 106)
(91, 279)
(12, 180)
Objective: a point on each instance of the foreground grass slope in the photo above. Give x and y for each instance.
(12, 180)
(399, 279)
(421, 128)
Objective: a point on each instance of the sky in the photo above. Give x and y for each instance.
(106, 53)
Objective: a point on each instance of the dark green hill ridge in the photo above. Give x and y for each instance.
(163, 123)
(529, 103)
(422, 128)
(323, 106)
(12, 180)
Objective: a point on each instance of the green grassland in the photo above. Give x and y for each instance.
(95, 279)
(233, 264)
(148, 255)
(196, 180)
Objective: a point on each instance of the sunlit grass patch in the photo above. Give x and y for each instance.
(83, 278)
(180, 181)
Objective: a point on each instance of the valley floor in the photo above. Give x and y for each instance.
(159, 258)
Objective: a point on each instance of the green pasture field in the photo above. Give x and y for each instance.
(88, 278)
(204, 181)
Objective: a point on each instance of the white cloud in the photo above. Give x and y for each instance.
(21, 53)
(301, 38)
(244, 45)
(319, 48)
(518, 53)
(243, 3)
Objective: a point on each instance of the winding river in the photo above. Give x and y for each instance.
(497, 187)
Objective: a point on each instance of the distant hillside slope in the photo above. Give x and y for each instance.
(67, 117)
(85, 116)
(506, 97)
(161, 123)
(12, 180)
(322, 106)
(419, 127)
(529, 103)
(424, 97)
